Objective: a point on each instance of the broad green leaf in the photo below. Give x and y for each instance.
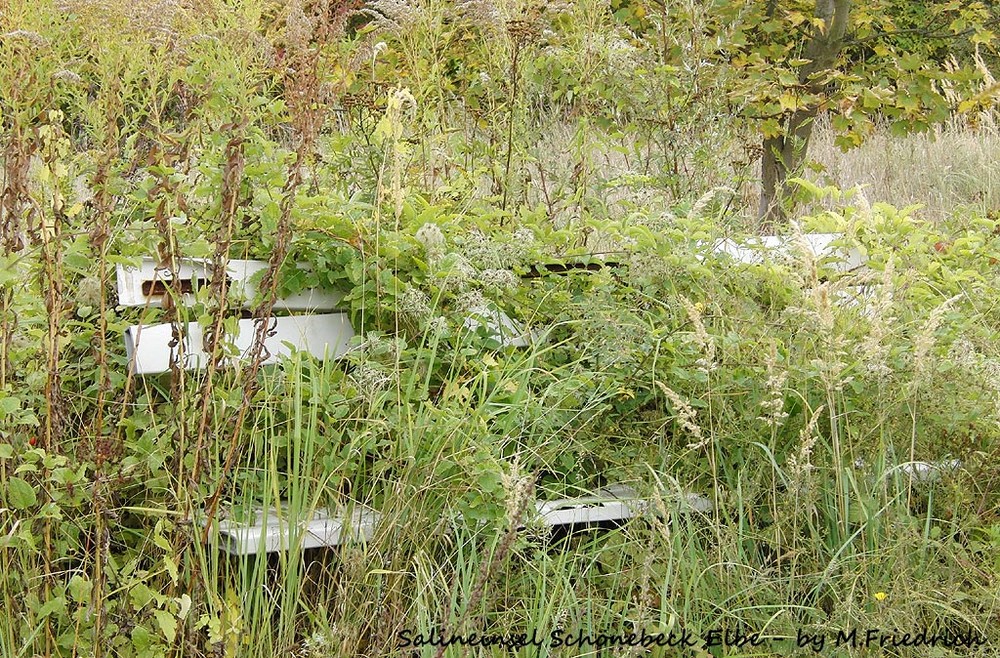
(167, 623)
(56, 605)
(80, 588)
(21, 494)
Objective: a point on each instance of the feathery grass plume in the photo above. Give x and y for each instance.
(874, 348)
(806, 256)
(661, 520)
(517, 487)
(67, 76)
(298, 26)
(831, 366)
(393, 15)
(389, 133)
(520, 495)
(924, 341)
(941, 172)
(799, 463)
(686, 416)
(34, 39)
(701, 336)
(773, 407)
(706, 199)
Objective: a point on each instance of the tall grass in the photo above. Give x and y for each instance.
(946, 171)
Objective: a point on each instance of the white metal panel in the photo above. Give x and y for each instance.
(269, 532)
(928, 471)
(500, 326)
(146, 285)
(613, 503)
(323, 336)
(757, 250)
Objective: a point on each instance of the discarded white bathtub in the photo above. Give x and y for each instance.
(149, 285)
(149, 349)
(270, 531)
(616, 502)
(499, 326)
(821, 245)
(928, 471)
(326, 336)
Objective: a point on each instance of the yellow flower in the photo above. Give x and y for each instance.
(880, 596)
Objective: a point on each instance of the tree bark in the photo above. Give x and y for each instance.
(782, 157)
(784, 154)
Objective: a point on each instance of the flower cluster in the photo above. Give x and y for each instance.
(686, 416)
(298, 27)
(485, 253)
(414, 303)
(773, 407)
(369, 379)
(499, 279)
(433, 240)
(393, 15)
(705, 342)
(484, 13)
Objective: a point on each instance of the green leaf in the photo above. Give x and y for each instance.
(140, 595)
(167, 623)
(80, 588)
(142, 639)
(20, 494)
(9, 405)
(51, 606)
(171, 567)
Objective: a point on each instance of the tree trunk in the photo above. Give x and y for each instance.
(782, 157)
(784, 154)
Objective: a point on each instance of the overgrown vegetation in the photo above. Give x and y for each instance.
(426, 159)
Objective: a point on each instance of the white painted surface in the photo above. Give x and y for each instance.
(270, 532)
(323, 336)
(928, 471)
(820, 245)
(500, 326)
(132, 280)
(613, 503)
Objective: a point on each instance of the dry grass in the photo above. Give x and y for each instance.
(950, 169)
